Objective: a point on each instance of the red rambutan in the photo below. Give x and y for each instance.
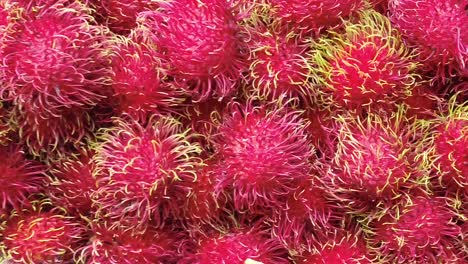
(418, 230)
(375, 159)
(145, 166)
(367, 65)
(121, 15)
(435, 29)
(278, 64)
(41, 237)
(201, 41)
(138, 82)
(449, 134)
(19, 178)
(313, 15)
(263, 153)
(237, 247)
(339, 247)
(72, 183)
(113, 245)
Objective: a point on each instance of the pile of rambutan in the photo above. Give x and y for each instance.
(233, 131)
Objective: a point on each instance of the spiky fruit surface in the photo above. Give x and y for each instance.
(201, 41)
(53, 72)
(434, 27)
(121, 15)
(313, 15)
(375, 157)
(450, 138)
(113, 245)
(338, 248)
(237, 247)
(305, 210)
(263, 153)
(42, 237)
(19, 177)
(278, 64)
(146, 165)
(420, 229)
(367, 65)
(72, 181)
(54, 61)
(139, 84)
(5, 126)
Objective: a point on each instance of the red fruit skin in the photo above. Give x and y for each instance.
(19, 178)
(50, 77)
(422, 103)
(313, 15)
(109, 245)
(236, 247)
(338, 249)
(72, 182)
(420, 230)
(263, 153)
(451, 158)
(121, 15)
(138, 81)
(375, 160)
(366, 66)
(306, 211)
(202, 43)
(434, 27)
(146, 167)
(42, 237)
(277, 64)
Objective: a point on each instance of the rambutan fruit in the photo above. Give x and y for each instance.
(202, 43)
(237, 247)
(139, 84)
(449, 136)
(145, 167)
(5, 126)
(114, 245)
(54, 60)
(422, 103)
(305, 210)
(338, 247)
(19, 178)
(72, 181)
(278, 64)
(375, 159)
(418, 229)
(41, 237)
(263, 153)
(365, 66)
(435, 29)
(313, 15)
(121, 15)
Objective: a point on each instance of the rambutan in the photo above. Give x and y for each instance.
(72, 181)
(365, 66)
(19, 178)
(237, 247)
(435, 29)
(337, 247)
(449, 134)
(138, 82)
(41, 237)
(146, 166)
(201, 40)
(313, 15)
(121, 15)
(305, 210)
(114, 245)
(375, 159)
(278, 63)
(419, 229)
(263, 153)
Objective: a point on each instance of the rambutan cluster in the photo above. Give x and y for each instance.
(233, 132)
